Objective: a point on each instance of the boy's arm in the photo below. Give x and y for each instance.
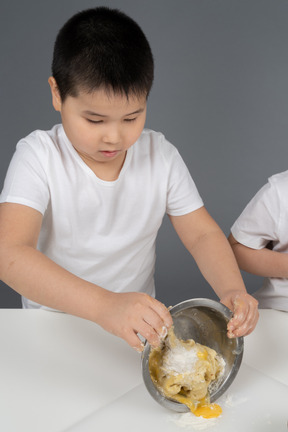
(32, 274)
(210, 248)
(262, 262)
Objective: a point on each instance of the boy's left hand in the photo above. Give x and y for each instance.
(245, 313)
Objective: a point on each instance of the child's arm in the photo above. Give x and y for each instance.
(208, 245)
(262, 262)
(35, 276)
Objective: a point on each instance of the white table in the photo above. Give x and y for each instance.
(266, 349)
(56, 369)
(60, 373)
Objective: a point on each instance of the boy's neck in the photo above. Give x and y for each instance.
(105, 171)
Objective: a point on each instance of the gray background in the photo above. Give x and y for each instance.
(220, 95)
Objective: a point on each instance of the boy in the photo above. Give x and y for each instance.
(82, 203)
(260, 241)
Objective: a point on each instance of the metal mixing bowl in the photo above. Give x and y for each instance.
(205, 321)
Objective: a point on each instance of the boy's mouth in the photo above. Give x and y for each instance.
(110, 153)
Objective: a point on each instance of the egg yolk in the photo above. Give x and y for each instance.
(202, 409)
(202, 355)
(208, 411)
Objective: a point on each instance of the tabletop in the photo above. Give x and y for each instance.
(62, 373)
(56, 369)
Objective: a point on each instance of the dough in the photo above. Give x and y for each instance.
(184, 370)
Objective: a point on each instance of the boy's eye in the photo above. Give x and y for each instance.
(130, 119)
(94, 121)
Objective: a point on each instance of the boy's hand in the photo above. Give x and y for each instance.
(128, 314)
(245, 313)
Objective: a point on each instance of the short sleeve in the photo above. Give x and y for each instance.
(258, 224)
(26, 182)
(182, 194)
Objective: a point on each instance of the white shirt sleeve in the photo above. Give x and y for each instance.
(258, 224)
(26, 182)
(182, 194)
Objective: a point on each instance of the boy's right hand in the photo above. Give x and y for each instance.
(128, 314)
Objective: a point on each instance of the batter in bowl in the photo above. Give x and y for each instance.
(184, 371)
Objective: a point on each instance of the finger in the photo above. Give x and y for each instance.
(149, 333)
(152, 318)
(162, 311)
(241, 309)
(253, 314)
(250, 318)
(237, 320)
(134, 341)
(244, 330)
(239, 331)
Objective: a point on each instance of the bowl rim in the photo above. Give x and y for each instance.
(186, 304)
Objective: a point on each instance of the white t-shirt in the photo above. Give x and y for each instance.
(102, 231)
(265, 220)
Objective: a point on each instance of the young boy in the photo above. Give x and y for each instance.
(260, 241)
(83, 202)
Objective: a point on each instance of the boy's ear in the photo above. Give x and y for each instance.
(56, 98)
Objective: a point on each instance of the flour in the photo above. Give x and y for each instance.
(180, 359)
(189, 420)
(232, 401)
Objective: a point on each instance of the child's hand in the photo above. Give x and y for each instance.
(128, 314)
(245, 313)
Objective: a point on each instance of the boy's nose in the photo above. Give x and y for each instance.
(111, 135)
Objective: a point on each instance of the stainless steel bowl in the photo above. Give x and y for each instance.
(205, 321)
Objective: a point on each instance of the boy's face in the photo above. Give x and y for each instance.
(101, 127)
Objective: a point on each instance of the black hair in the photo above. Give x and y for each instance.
(102, 48)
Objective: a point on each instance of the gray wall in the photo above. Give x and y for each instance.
(220, 95)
